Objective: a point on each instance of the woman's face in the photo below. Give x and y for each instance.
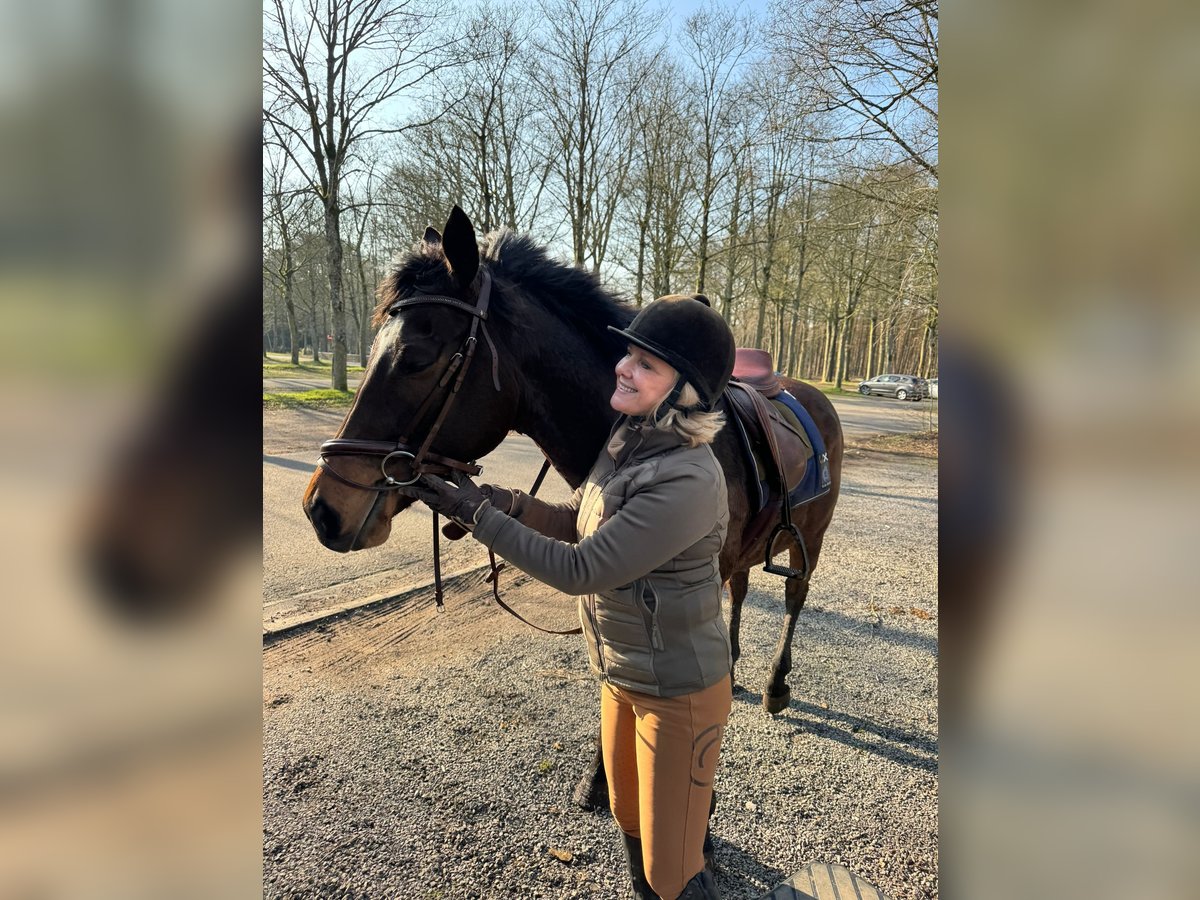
(643, 382)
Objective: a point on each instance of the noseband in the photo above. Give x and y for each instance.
(421, 460)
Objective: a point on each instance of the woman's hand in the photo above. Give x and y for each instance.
(460, 500)
(500, 498)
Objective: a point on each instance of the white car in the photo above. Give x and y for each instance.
(932, 384)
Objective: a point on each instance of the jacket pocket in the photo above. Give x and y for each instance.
(652, 606)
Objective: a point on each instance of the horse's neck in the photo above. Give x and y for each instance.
(565, 407)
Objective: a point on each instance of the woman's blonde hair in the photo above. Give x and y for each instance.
(694, 426)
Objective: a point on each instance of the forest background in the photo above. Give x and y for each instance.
(780, 158)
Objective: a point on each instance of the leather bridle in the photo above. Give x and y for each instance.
(421, 460)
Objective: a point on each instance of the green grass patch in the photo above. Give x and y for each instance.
(305, 368)
(848, 389)
(281, 364)
(325, 397)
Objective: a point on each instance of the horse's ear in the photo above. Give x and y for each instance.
(702, 299)
(460, 247)
(432, 236)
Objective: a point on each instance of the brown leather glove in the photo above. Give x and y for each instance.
(500, 498)
(458, 500)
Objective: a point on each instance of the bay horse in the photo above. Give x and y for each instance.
(544, 368)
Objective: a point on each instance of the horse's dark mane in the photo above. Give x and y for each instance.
(569, 293)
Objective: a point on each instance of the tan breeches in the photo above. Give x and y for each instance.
(660, 754)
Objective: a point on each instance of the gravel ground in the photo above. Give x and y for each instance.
(416, 755)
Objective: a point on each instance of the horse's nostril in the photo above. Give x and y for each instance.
(325, 520)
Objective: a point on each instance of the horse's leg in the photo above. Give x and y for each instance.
(591, 790)
(778, 695)
(739, 583)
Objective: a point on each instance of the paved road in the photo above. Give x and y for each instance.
(862, 416)
(301, 578)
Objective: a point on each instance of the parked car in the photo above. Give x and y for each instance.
(902, 387)
(932, 384)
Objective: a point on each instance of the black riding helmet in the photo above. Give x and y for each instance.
(688, 334)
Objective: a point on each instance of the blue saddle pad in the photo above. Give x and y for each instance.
(817, 480)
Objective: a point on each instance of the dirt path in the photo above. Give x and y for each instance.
(413, 754)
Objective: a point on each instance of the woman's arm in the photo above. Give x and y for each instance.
(554, 520)
(654, 525)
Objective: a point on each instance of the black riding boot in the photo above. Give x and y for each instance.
(637, 869)
(710, 851)
(702, 887)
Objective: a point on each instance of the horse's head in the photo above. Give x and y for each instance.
(415, 361)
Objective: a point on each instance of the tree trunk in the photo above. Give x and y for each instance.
(921, 354)
(337, 302)
(293, 334)
(640, 280)
(789, 365)
(822, 363)
(843, 349)
(872, 336)
(364, 325)
(777, 343)
(705, 208)
(313, 306)
(731, 255)
(835, 336)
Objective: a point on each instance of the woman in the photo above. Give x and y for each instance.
(639, 543)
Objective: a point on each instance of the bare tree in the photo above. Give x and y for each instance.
(775, 164)
(287, 212)
(480, 153)
(874, 63)
(280, 266)
(718, 41)
(585, 49)
(330, 69)
(660, 187)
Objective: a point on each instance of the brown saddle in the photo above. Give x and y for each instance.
(780, 446)
(775, 440)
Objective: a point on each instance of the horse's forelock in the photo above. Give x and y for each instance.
(424, 259)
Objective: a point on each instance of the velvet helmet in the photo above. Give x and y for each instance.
(687, 333)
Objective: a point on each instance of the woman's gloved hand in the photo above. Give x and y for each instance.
(500, 498)
(461, 501)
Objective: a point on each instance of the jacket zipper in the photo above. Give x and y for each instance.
(591, 606)
(656, 640)
(591, 601)
(596, 631)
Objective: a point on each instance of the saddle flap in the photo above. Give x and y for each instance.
(775, 433)
(754, 367)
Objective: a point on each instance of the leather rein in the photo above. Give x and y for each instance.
(422, 460)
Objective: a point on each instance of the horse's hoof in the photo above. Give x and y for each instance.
(590, 796)
(777, 703)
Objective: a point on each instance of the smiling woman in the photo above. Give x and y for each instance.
(643, 382)
(639, 544)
